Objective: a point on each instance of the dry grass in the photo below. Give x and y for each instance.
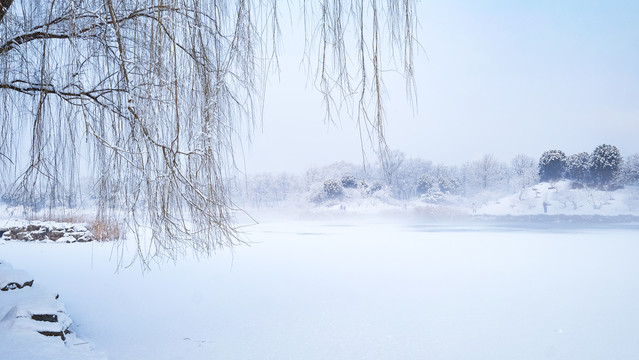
(105, 230)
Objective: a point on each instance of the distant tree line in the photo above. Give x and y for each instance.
(412, 178)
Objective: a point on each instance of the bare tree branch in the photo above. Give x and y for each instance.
(155, 95)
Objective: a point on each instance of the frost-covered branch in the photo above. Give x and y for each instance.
(156, 94)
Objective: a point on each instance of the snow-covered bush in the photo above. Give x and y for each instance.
(349, 182)
(449, 185)
(606, 163)
(316, 194)
(552, 165)
(578, 167)
(425, 184)
(432, 196)
(630, 170)
(333, 188)
(377, 186)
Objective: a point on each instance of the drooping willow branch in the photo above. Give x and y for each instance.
(38, 34)
(153, 96)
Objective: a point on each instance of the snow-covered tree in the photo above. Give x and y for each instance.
(406, 176)
(552, 164)
(449, 185)
(578, 167)
(391, 165)
(333, 188)
(524, 170)
(630, 171)
(487, 170)
(261, 189)
(336, 170)
(606, 163)
(266, 189)
(425, 184)
(154, 94)
(349, 182)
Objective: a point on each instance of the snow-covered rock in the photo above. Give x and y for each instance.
(45, 231)
(34, 324)
(11, 279)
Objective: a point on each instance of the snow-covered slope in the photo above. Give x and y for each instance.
(561, 198)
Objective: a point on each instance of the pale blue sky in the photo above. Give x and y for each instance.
(500, 77)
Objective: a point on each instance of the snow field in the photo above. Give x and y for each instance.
(336, 290)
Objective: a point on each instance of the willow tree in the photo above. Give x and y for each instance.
(155, 93)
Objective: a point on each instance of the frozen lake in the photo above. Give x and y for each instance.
(315, 290)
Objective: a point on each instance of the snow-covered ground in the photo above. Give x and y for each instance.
(341, 289)
(561, 198)
(544, 200)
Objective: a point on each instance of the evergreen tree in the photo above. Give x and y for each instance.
(578, 167)
(606, 163)
(552, 165)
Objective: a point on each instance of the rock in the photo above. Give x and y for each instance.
(86, 238)
(63, 232)
(24, 236)
(56, 234)
(67, 239)
(33, 227)
(39, 234)
(14, 285)
(11, 279)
